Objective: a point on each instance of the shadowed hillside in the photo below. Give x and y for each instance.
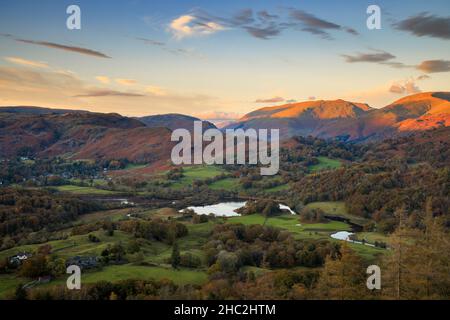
(81, 136)
(174, 121)
(37, 110)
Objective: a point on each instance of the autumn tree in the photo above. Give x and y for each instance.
(418, 265)
(35, 267)
(343, 277)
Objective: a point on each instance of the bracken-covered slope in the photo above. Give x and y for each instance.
(304, 118)
(320, 109)
(352, 121)
(420, 111)
(88, 135)
(84, 135)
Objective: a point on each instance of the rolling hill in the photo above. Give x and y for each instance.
(84, 135)
(352, 121)
(420, 111)
(38, 110)
(26, 131)
(304, 118)
(173, 121)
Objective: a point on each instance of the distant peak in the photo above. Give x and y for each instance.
(324, 109)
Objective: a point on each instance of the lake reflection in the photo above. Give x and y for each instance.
(345, 236)
(342, 235)
(226, 209)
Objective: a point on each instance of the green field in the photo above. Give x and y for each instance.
(74, 245)
(201, 172)
(291, 223)
(96, 182)
(129, 271)
(366, 252)
(8, 283)
(337, 208)
(325, 164)
(115, 273)
(281, 187)
(330, 207)
(234, 184)
(132, 166)
(111, 215)
(225, 184)
(156, 254)
(83, 190)
(371, 237)
(309, 230)
(196, 173)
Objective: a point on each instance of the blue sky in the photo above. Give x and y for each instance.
(225, 57)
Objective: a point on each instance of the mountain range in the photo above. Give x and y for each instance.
(351, 121)
(44, 132)
(84, 135)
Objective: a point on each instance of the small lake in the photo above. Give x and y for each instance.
(342, 235)
(345, 236)
(226, 209)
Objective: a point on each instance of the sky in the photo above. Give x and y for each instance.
(219, 59)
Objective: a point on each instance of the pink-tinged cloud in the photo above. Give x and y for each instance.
(218, 115)
(126, 82)
(406, 87)
(270, 100)
(103, 79)
(190, 26)
(26, 62)
(107, 93)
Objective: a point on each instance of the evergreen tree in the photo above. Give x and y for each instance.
(20, 293)
(175, 259)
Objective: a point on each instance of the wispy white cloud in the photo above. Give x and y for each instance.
(126, 82)
(107, 93)
(218, 115)
(103, 79)
(270, 100)
(190, 26)
(26, 62)
(404, 87)
(261, 24)
(48, 87)
(156, 91)
(189, 52)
